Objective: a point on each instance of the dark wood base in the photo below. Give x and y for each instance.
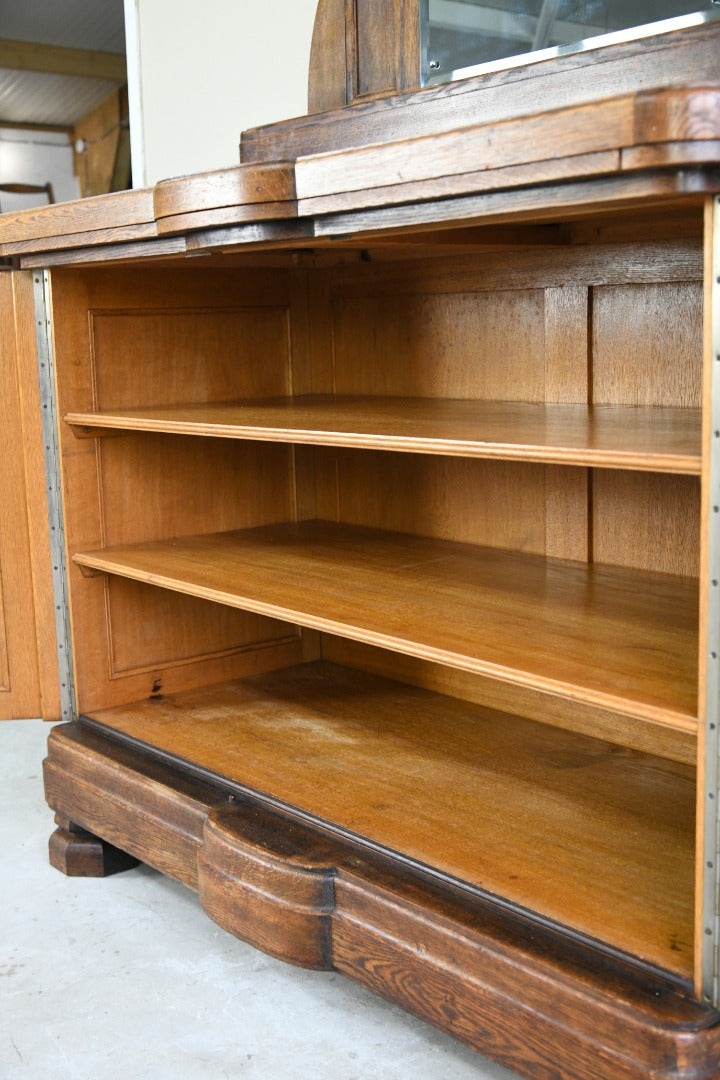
(78, 853)
(528, 996)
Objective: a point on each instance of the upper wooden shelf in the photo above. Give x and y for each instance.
(619, 437)
(623, 640)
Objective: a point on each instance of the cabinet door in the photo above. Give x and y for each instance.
(28, 665)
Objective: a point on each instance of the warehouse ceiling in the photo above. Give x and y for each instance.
(59, 59)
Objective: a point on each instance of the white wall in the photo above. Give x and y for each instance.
(36, 157)
(200, 71)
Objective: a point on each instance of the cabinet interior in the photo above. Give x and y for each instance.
(406, 539)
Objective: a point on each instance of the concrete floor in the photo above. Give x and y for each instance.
(127, 978)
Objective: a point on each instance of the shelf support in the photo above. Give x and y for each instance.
(51, 453)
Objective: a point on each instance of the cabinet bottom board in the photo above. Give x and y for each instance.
(584, 833)
(529, 996)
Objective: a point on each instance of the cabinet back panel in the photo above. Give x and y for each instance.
(462, 345)
(606, 516)
(157, 358)
(647, 344)
(612, 324)
(499, 504)
(646, 520)
(157, 486)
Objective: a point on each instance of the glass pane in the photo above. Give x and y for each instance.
(463, 34)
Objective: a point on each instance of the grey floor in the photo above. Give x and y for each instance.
(127, 978)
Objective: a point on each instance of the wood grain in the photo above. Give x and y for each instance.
(684, 58)
(122, 209)
(424, 775)
(659, 440)
(327, 71)
(24, 340)
(238, 185)
(608, 125)
(280, 897)
(570, 715)
(583, 129)
(526, 994)
(551, 625)
(19, 675)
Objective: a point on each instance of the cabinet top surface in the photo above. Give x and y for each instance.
(647, 143)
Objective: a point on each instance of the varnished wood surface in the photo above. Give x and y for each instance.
(19, 676)
(526, 995)
(625, 640)
(224, 187)
(125, 210)
(601, 126)
(659, 440)
(676, 59)
(244, 193)
(583, 833)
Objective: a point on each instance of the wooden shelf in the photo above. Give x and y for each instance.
(651, 439)
(581, 832)
(624, 640)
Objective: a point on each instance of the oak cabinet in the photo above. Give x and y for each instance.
(390, 567)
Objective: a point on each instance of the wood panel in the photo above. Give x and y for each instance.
(151, 630)
(19, 682)
(373, 47)
(28, 669)
(103, 164)
(327, 73)
(198, 356)
(586, 836)
(651, 522)
(583, 129)
(207, 489)
(490, 503)
(660, 327)
(130, 210)
(562, 264)
(551, 625)
(458, 345)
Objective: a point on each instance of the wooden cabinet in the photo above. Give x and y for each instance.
(388, 511)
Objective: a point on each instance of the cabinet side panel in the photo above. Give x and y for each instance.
(169, 337)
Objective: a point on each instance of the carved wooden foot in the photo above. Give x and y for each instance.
(78, 853)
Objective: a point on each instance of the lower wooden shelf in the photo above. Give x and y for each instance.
(547, 624)
(528, 995)
(583, 833)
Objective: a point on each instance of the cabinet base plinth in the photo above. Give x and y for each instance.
(527, 995)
